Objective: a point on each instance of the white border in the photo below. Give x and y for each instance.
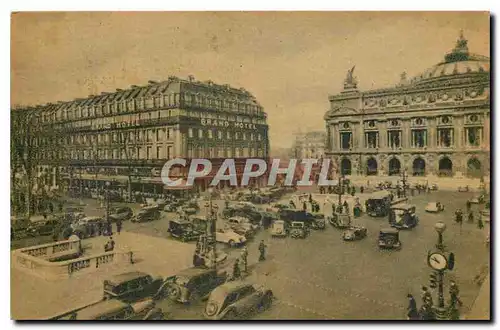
(149, 5)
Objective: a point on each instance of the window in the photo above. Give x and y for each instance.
(169, 152)
(445, 137)
(219, 135)
(159, 154)
(371, 139)
(419, 138)
(229, 135)
(394, 139)
(148, 153)
(474, 136)
(345, 140)
(190, 132)
(209, 132)
(200, 134)
(371, 123)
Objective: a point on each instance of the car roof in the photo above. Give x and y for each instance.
(389, 230)
(92, 218)
(99, 309)
(403, 206)
(229, 287)
(125, 277)
(193, 271)
(180, 221)
(379, 194)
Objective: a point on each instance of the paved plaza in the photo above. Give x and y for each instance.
(320, 277)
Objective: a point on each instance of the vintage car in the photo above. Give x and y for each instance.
(485, 215)
(463, 189)
(388, 238)
(402, 216)
(278, 207)
(132, 286)
(172, 206)
(234, 300)
(279, 228)
(230, 237)
(354, 233)
(189, 208)
(147, 213)
(434, 207)
(434, 186)
(478, 199)
(120, 213)
(340, 220)
(268, 218)
(84, 227)
(116, 310)
(298, 229)
(42, 227)
(318, 220)
(254, 215)
(183, 230)
(193, 284)
(378, 204)
(243, 222)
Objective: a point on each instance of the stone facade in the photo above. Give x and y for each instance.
(309, 145)
(437, 123)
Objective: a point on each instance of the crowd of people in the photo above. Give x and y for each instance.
(427, 310)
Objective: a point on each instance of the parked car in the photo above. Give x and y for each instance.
(193, 284)
(172, 206)
(279, 228)
(116, 310)
(434, 186)
(132, 286)
(485, 215)
(229, 236)
(147, 213)
(434, 207)
(298, 229)
(340, 220)
(463, 189)
(389, 239)
(42, 227)
(254, 215)
(234, 300)
(403, 216)
(243, 222)
(318, 220)
(354, 233)
(84, 227)
(183, 230)
(120, 213)
(278, 207)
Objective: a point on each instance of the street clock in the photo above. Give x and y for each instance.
(437, 261)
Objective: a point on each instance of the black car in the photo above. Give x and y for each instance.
(241, 211)
(121, 213)
(193, 284)
(42, 227)
(132, 286)
(183, 230)
(148, 213)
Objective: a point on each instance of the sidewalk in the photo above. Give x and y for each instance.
(481, 308)
(36, 298)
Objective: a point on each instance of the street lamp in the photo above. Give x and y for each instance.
(211, 229)
(340, 187)
(440, 227)
(404, 175)
(108, 184)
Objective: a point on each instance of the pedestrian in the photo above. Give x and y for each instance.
(412, 308)
(310, 198)
(292, 204)
(262, 250)
(110, 245)
(361, 189)
(346, 207)
(454, 294)
(427, 297)
(480, 224)
(236, 270)
(458, 216)
(471, 217)
(244, 259)
(304, 206)
(468, 205)
(118, 226)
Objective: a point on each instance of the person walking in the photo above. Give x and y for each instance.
(471, 217)
(110, 245)
(262, 250)
(244, 259)
(454, 294)
(304, 206)
(412, 310)
(236, 270)
(480, 223)
(119, 226)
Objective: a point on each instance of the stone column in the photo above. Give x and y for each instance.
(382, 135)
(459, 129)
(406, 134)
(361, 136)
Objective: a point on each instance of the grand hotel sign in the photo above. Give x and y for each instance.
(225, 123)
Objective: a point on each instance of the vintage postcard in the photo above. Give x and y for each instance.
(250, 166)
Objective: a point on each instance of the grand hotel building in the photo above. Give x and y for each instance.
(125, 137)
(437, 123)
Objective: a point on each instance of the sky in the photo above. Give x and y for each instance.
(290, 61)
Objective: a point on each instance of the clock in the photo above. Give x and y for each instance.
(437, 261)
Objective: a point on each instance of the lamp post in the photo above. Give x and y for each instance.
(107, 200)
(404, 177)
(440, 227)
(211, 230)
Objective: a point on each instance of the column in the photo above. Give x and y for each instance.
(459, 129)
(361, 134)
(406, 134)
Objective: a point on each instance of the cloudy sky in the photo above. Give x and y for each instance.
(290, 61)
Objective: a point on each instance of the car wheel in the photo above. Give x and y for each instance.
(173, 292)
(231, 243)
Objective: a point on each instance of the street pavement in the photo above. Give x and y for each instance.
(323, 277)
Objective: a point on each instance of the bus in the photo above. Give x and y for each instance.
(378, 203)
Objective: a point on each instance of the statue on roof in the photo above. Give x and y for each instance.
(350, 81)
(461, 45)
